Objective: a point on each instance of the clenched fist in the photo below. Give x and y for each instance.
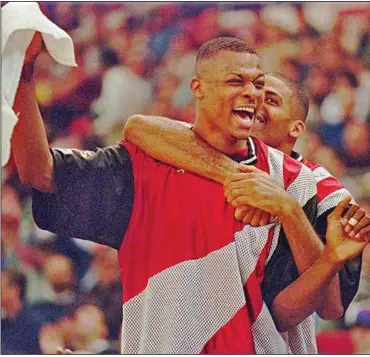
(33, 50)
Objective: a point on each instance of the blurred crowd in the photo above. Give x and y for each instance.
(139, 58)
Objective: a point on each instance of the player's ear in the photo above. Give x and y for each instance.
(297, 129)
(196, 87)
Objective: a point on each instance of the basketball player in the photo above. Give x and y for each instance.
(191, 273)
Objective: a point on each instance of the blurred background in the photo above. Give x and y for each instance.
(139, 58)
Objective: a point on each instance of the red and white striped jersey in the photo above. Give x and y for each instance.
(194, 279)
(192, 274)
(329, 193)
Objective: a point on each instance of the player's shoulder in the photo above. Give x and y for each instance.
(98, 158)
(131, 148)
(312, 165)
(279, 164)
(322, 175)
(140, 158)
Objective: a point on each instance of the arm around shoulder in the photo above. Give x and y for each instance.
(173, 143)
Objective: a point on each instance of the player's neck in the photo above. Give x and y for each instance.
(286, 148)
(218, 140)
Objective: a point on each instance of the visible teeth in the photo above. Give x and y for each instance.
(244, 109)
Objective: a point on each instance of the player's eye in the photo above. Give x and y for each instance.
(260, 85)
(270, 101)
(235, 81)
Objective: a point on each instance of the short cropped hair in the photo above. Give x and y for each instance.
(299, 93)
(212, 47)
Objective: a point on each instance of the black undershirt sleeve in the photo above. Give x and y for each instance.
(93, 198)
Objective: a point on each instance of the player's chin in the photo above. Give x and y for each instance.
(240, 129)
(240, 133)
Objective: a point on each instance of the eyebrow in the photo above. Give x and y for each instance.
(241, 75)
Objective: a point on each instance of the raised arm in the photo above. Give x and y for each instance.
(174, 143)
(296, 301)
(29, 141)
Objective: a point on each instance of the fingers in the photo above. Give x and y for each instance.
(341, 207)
(240, 201)
(248, 168)
(247, 184)
(59, 350)
(265, 219)
(235, 193)
(249, 171)
(354, 221)
(253, 216)
(362, 229)
(256, 219)
(34, 48)
(349, 214)
(352, 217)
(235, 177)
(64, 351)
(248, 217)
(240, 212)
(364, 234)
(273, 218)
(229, 189)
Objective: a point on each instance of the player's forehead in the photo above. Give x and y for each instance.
(226, 63)
(276, 86)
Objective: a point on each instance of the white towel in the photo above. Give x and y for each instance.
(20, 21)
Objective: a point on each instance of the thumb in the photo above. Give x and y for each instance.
(247, 168)
(341, 207)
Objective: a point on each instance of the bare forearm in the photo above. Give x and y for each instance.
(175, 144)
(307, 248)
(303, 241)
(29, 141)
(303, 297)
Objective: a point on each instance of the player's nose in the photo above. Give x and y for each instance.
(250, 91)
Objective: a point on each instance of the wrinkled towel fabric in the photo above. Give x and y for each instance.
(20, 21)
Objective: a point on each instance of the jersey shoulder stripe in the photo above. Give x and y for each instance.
(295, 177)
(330, 191)
(312, 165)
(331, 200)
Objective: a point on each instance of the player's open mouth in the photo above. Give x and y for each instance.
(244, 114)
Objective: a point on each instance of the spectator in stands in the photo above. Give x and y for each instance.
(19, 327)
(92, 331)
(61, 334)
(59, 272)
(105, 288)
(123, 94)
(356, 142)
(85, 333)
(16, 255)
